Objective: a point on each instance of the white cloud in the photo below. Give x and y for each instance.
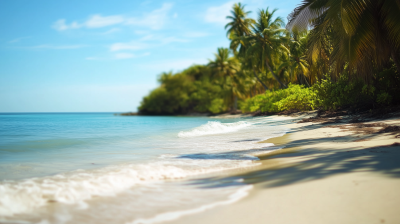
(117, 56)
(153, 20)
(162, 39)
(61, 25)
(97, 21)
(148, 41)
(124, 55)
(57, 47)
(218, 14)
(133, 45)
(110, 31)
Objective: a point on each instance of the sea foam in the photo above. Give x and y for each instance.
(81, 185)
(198, 151)
(214, 127)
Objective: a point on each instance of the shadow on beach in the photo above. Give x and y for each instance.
(291, 165)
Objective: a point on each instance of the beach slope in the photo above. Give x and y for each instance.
(326, 173)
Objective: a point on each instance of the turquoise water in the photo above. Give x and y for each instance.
(69, 167)
(67, 141)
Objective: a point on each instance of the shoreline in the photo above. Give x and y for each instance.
(326, 173)
(318, 165)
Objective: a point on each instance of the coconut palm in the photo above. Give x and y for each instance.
(237, 29)
(226, 67)
(364, 33)
(266, 42)
(239, 26)
(296, 62)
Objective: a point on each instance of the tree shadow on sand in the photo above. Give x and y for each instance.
(313, 164)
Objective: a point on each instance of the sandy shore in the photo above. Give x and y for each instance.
(327, 173)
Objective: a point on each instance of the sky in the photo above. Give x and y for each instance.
(104, 56)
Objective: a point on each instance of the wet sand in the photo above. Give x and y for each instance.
(326, 173)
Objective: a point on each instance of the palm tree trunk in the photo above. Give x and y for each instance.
(255, 75)
(283, 86)
(235, 104)
(396, 60)
(304, 77)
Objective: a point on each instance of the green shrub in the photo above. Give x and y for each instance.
(331, 95)
(217, 106)
(384, 98)
(387, 84)
(264, 102)
(295, 97)
(300, 98)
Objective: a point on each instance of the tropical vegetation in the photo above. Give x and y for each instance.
(331, 54)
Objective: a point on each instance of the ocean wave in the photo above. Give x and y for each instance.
(169, 216)
(78, 186)
(214, 127)
(179, 158)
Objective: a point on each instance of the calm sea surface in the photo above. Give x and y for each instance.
(101, 168)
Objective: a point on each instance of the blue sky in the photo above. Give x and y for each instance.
(104, 56)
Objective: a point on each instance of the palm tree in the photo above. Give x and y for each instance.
(296, 62)
(364, 33)
(239, 26)
(266, 42)
(237, 29)
(226, 67)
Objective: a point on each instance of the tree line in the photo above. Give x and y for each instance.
(331, 54)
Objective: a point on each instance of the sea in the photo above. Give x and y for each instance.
(102, 168)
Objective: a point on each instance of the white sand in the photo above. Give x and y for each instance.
(324, 175)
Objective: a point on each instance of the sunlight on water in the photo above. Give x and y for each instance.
(55, 165)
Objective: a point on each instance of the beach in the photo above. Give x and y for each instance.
(99, 168)
(325, 173)
(200, 112)
(225, 169)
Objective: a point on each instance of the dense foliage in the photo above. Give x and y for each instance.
(191, 90)
(331, 54)
(295, 97)
(330, 95)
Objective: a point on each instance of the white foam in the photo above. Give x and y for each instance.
(76, 187)
(214, 127)
(184, 157)
(239, 194)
